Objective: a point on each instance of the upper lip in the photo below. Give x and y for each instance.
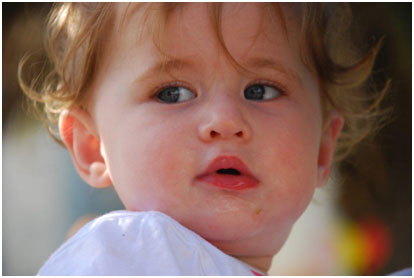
(227, 162)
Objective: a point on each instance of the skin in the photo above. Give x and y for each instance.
(152, 152)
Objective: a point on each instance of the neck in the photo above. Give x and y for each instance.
(261, 263)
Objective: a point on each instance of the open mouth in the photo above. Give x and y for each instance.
(228, 171)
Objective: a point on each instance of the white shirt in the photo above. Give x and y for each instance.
(140, 243)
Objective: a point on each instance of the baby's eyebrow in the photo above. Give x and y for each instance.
(255, 63)
(166, 66)
(264, 62)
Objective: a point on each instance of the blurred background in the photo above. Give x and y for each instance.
(359, 224)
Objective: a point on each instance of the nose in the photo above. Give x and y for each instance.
(223, 120)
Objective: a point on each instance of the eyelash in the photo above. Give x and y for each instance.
(264, 82)
(164, 86)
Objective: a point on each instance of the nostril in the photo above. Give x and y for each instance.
(213, 134)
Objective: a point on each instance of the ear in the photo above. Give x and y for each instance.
(332, 129)
(80, 137)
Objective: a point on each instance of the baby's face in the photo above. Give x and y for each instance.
(160, 131)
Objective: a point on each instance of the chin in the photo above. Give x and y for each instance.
(243, 235)
(227, 226)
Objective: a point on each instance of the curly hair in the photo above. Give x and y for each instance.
(76, 38)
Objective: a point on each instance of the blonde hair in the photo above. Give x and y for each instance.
(77, 32)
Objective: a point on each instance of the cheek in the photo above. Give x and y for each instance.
(150, 164)
(290, 166)
(291, 147)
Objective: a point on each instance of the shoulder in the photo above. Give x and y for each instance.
(139, 243)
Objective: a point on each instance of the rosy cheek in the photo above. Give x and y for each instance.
(161, 160)
(290, 168)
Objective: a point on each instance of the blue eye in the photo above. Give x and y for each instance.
(260, 92)
(175, 94)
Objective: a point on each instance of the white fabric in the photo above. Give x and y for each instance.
(140, 243)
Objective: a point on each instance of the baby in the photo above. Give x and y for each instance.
(215, 123)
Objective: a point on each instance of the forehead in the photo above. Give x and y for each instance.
(179, 29)
(249, 36)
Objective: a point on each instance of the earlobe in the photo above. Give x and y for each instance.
(80, 137)
(332, 129)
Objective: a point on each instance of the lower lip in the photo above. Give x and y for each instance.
(231, 182)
